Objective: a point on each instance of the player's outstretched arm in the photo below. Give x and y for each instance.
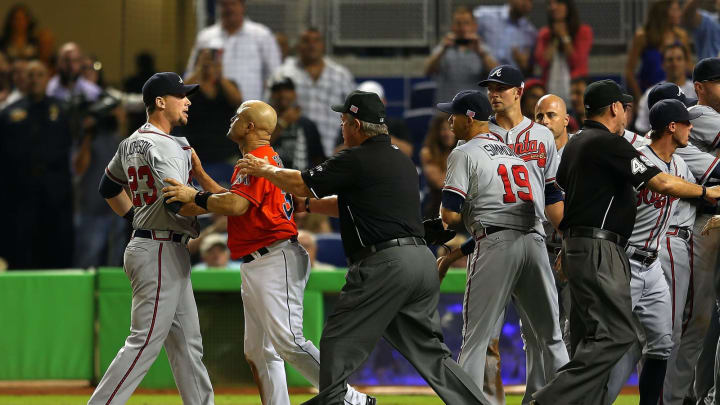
(668, 184)
(225, 203)
(288, 180)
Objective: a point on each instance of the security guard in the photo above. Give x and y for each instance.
(601, 174)
(35, 140)
(392, 285)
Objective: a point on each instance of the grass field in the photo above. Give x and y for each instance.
(243, 400)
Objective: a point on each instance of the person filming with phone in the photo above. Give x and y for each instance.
(461, 59)
(212, 107)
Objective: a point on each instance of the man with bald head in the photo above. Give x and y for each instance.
(263, 234)
(68, 82)
(551, 112)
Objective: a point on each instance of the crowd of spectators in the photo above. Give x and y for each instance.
(60, 122)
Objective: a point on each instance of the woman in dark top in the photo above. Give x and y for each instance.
(661, 28)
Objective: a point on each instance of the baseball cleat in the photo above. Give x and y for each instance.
(371, 400)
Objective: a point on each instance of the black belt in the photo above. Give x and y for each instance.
(595, 233)
(262, 252)
(646, 257)
(682, 233)
(489, 230)
(151, 234)
(368, 250)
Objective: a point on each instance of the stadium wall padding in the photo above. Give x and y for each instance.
(49, 319)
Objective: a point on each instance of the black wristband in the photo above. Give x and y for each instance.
(201, 199)
(307, 204)
(704, 191)
(130, 215)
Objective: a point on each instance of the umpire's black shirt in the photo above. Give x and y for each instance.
(377, 189)
(601, 174)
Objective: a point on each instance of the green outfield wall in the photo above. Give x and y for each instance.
(70, 324)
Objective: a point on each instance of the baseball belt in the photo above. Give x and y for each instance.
(368, 250)
(646, 257)
(682, 233)
(263, 251)
(168, 236)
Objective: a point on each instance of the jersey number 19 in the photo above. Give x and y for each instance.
(522, 180)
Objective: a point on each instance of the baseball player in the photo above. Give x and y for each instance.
(275, 269)
(648, 289)
(700, 157)
(535, 144)
(489, 188)
(157, 261)
(551, 112)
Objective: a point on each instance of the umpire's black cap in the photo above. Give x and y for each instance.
(504, 74)
(364, 106)
(473, 103)
(666, 111)
(666, 91)
(164, 83)
(707, 70)
(602, 93)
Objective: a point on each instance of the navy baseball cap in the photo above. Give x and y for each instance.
(504, 74)
(164, 83)
(666, 111)
(473, 103)
(666, 91)
(364, 106)
(602, 93)
(706, 70)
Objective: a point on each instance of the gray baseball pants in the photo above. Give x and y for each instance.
(513, 265)
(163, 314)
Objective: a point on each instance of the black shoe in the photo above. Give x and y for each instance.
(371, 400)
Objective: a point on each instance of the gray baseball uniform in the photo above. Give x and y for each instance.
(499, 198)
(649, 291)
(158, 266)
(693, 263)
(536, 145)
(636, 140)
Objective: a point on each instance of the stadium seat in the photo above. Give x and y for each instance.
(422, 95)
(330, 249)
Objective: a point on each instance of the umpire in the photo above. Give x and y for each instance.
(392, 286)
(601, 174)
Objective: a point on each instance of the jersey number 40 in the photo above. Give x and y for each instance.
(148, 193)
(522, 181)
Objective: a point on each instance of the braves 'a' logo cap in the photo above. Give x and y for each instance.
(164, 83)
(504, 74)
(667, 91)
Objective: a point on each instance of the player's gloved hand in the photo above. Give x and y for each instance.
(712, 223)
(435, 232)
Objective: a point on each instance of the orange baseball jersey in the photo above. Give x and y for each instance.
(270, 215)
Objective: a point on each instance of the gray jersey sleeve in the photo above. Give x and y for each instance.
(459, 171)
(115, 169)
(700, 163)
(553, 161)
(705, 133)
(684, 210)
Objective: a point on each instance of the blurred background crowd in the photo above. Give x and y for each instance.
(71, 74)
